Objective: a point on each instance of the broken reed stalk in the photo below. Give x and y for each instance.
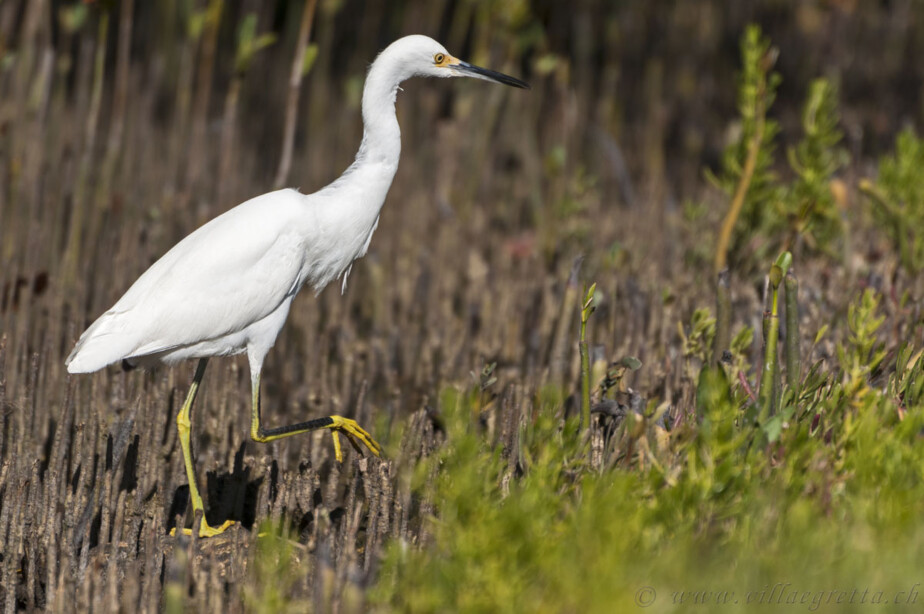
(248, 44)
(587, 308)
(295, 82)
(120, 87)
(771, 326)
(111, 158)
(793, 352)
(558, 348)
(207, 51)
(777, 390)
(73, 251)
(179, 140)
(768, 394)
(229, 122)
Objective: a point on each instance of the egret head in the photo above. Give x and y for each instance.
(423, 56)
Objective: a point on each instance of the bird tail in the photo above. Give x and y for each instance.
(100, 345)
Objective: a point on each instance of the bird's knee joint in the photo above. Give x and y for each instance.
(182, 421)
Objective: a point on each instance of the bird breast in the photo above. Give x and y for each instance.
(341, 230)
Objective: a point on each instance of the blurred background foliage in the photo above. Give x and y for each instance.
(630, 103)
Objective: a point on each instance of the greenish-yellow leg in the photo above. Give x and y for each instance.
(337, 424)
(183, 426)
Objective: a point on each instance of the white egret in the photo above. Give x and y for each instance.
(227, 287)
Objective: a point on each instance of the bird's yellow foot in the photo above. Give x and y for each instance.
(355, 434)
(205, 530)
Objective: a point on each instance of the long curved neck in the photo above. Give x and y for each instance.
(376, 161)
(381, 135)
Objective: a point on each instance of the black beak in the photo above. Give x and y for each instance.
(470, 70)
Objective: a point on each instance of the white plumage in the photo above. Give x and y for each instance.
(227, 287)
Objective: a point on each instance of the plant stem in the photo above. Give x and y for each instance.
(229, 123)
(769, 381)
(73, 252)
(721, 252)
(120, 84)
(771, 333)
(722, 339)
(559, 347)
(295, 82)
(587, 308)
(207, 53)
(793, 352)
(585, 380)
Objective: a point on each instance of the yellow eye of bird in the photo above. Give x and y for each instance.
(438, 58)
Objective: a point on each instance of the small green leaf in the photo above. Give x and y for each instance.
(247, 30)
(821, 333)
(776, 276)
(195, 25)
(547, 64)
(631, 362)
(73, 18)
(263, 41)
(742, 340)
(311, 54)
(712, 389)
(589, 296)
(773, 428)
(784, 262)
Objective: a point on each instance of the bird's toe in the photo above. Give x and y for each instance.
(355, 433)
(205, 529)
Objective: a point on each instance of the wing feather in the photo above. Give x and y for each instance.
(228, 274)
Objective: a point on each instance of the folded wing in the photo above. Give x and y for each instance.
(228, 274)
